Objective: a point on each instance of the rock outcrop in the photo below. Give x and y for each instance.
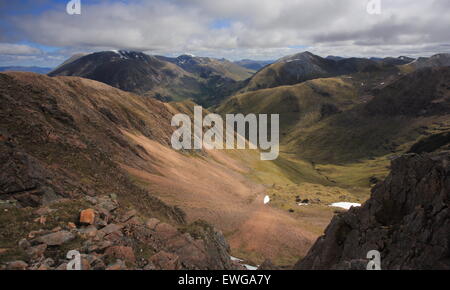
(407, 219)
(118, 239)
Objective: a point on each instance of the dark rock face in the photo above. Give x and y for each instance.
(407, 219)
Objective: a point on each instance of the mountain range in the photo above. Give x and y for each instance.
(204, 80)
(35, 69)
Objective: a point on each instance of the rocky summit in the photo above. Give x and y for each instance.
(406, 219)
(118, 239)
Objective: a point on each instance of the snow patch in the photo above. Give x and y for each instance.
(345, 205)
(248, 267)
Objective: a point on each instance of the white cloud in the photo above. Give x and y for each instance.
(18, 49)
(253, 28)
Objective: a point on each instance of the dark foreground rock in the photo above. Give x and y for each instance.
(407, 219)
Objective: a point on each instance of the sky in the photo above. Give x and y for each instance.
(42, 33)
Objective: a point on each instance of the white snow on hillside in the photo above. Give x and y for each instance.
(345, 205)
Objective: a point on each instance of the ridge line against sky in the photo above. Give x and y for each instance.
(40, 32)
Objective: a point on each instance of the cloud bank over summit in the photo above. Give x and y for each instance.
(235, 29)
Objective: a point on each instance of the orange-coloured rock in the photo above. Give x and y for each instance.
(87, 216)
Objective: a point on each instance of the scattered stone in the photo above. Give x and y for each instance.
(24, 244)
(118, 265)
(62, 267)
(122, 253)
(41, 220)
(406, 219)
(111, 228)
(87, 216)
(149, 267)
(99, 247)
(373, 180)
(17, 265)
(267, 265)
(71, 225)
(88, 232)
(128, 215)
(166, 261)
(108, 205)
(91, 200)
(33, 234)
(56, 239)
(37, 251)
(152, 223)
(166, 231)
(49, 262)
(42, 211)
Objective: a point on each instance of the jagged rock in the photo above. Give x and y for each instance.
(150, 266)
(407, 219)
(87, 216)
(56, 239)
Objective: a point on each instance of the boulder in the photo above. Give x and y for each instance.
(56, 239)
(87, 216)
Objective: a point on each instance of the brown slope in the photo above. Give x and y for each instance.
(68, 127)
(84, 137)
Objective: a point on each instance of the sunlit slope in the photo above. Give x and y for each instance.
(107, 141)
(298, 105)
(349, 127)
